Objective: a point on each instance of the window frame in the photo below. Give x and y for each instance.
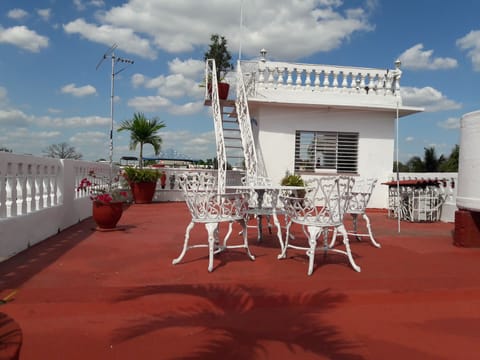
(328, 152)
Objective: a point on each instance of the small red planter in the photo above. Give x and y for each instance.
(143, 192)
(223, 89)
(107, 215)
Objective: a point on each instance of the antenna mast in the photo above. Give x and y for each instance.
(111, 53)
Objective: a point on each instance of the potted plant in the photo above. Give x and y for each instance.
(143, 183)
(107, 199)
(293, 180)
(219, 52)
(142, 131)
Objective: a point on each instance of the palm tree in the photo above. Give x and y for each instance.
(431, 161)
(143, 131)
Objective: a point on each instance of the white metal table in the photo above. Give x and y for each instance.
(267, 207)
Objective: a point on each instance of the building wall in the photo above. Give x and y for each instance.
(276, 134)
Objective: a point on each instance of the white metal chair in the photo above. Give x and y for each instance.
(322, 208)
(360, 196)
(211, 208)
(260, 203)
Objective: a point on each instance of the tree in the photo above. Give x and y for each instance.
(62, 151)
(451, 164)
(415, 164)
(219, 52)
(430, 160)
(143, 131)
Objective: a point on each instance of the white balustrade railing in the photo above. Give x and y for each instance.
(320, 78)
(39, 197)
(446, 192)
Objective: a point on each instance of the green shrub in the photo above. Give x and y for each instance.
(141, 175)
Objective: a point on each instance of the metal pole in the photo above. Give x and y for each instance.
(398, 171)
(241, 31)
(112, 89)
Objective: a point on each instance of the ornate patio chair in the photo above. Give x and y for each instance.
(211, 208)
(260, 203)
(321, 209)
(360, 196)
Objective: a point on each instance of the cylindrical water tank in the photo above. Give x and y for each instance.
(468, 191)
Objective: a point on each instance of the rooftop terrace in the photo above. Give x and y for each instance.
(84, 294)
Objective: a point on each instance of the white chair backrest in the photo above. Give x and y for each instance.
(361, 194)
(197, 181)
(208, 206)
(325, 202)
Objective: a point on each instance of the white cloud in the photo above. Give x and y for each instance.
(471, 43)
(14, 117)
(171, 86)
(78, 91)
(72, 122)
(182, 26)
(416, 58)
(149, 103)
(44, 13)
(429, 98)
(187, 109)
(409, 139)
(24, 38)
(17, 14)
(3, 96)
(87, 138)
(82, 5)
(190, 68)
(138, 80)
(450, 123)
(108, 35)
(196, 145)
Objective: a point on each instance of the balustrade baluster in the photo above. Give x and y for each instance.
(12, 190)
(317, 79)
(298, 80)
(261, 77)
(270, 77)
(289, 77)
(345, 81)
(335, 79)
(326, 80)
(388, 85)
(308, 81)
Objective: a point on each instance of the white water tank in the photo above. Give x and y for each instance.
(468, 192)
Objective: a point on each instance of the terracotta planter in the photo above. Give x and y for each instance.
(223, 89)
(107, 215)
(143, 192)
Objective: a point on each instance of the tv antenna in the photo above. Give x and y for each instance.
(110, 53)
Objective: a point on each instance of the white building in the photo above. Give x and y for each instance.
(322, 120)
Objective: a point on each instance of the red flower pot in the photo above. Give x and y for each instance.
(107, 215)
(223, 89)
(143, 192)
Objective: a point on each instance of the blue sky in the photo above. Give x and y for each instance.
(51, 92)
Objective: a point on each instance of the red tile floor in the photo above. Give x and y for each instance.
(85, 294)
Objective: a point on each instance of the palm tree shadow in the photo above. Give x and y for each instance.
(246, 317)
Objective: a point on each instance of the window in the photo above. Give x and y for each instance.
(326, 151)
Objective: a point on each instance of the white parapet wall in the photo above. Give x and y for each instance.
(38, 198)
